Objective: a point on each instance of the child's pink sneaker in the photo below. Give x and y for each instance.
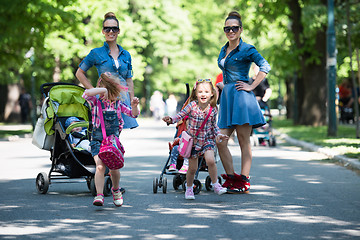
(189, 194)
(172, 168)
(183, 169)
(99, 200)
(218, 189)
(117, 196)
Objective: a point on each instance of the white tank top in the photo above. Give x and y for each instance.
(117, 63)
(222, 62)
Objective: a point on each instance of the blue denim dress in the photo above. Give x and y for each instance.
(111, 127)
(104, 62)
(239, 107)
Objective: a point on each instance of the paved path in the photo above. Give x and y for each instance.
(295, 195)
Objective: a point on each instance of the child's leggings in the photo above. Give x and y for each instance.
(174, 156)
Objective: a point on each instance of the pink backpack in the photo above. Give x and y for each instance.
(111, 151)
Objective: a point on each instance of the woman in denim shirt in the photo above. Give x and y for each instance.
(239, 109)
(110, 58)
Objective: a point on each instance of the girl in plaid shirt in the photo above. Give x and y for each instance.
(202, 103)
(107, 93)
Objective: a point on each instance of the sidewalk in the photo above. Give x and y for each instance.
(343, 160)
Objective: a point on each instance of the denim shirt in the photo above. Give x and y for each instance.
(103, 61)
(238, 62)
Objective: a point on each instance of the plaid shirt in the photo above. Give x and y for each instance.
(210, 130)
(109, 106)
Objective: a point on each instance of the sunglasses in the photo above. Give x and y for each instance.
(108, 29)
(235, 29)
(204, 80)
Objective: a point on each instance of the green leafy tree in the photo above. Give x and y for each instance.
(24, 25)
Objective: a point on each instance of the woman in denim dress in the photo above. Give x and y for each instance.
(110, 58)
(239, 109)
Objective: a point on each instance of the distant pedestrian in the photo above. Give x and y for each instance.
(25, 105)
(262, 91)
(239, 109)
(171, 105)
(157, 105)
(202, 107)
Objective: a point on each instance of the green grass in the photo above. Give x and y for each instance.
(345, 142)
(7, 130)
(8, 133)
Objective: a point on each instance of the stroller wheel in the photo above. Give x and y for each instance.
(208, 183)
(107, 186)
(42, 183)
(88, 182)
(92, 187)
(155, 184)
(272, 141)
(176, 181)
(197, 186)
(164, 184)
(183, 179)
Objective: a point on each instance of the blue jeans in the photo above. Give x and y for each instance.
(174, 155)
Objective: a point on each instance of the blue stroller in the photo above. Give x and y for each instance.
(264, 134)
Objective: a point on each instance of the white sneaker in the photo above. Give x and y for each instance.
(218, 189)
(99, 200)
(189, 194)
(117, 196)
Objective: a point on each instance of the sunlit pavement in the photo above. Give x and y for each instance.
(294, 195)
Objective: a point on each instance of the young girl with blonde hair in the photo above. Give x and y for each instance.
(107, 93)
(202, 103)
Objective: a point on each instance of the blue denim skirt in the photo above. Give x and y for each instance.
(239, 108)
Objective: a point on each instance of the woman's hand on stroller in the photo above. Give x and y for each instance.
(220, 137)
(167, 119)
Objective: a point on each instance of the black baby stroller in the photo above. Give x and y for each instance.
(64, 100)
(180, 179)
(264, 134)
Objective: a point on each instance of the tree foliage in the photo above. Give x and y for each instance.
(180, 40)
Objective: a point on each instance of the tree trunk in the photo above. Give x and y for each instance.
(311, 85)
(57, 70)
(313, 89)
(288, 98)
(3, 100)
(297, 29)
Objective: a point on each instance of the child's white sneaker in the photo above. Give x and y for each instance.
(189, 194)
(99, 200)
(117, 196)
(218, 189)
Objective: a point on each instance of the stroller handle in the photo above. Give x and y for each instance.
(45, 88)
